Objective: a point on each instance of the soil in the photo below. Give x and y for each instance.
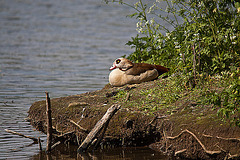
(188, 130)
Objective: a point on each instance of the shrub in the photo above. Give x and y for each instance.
(204, 41)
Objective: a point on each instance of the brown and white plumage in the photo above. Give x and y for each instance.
(123, 71)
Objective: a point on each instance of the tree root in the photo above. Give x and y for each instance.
(233, 156)
(80, 127)
(227, 139)
(180, 151)
(201, 144)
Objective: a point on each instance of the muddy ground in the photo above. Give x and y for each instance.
(186, 130)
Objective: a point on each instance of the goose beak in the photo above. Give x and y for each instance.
(113, 67)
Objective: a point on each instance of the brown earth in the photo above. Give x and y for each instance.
(184, 128)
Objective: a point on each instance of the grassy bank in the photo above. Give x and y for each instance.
(150, 113)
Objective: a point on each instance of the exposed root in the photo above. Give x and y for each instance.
(68, 134)
(201, 144)
(55, 145)
(179, 152)
(235, 156)
(227, 139)
(208, 136)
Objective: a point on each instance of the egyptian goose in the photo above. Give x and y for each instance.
(123, 71)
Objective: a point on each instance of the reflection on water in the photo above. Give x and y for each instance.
(140, 153)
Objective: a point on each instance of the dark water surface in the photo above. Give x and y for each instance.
(64, 47)
(106, 154)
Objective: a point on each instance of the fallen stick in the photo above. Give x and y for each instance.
(204, 148)
(81, 128)
(22, 135)
(98, 127)
(49, 123)
(101, 137)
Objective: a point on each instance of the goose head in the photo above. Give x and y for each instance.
(122, 63)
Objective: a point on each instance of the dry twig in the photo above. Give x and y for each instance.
(22, 135)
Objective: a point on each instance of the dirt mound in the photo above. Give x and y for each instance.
(187, 130)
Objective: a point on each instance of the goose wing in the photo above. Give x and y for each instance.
(161, 69)
(139, 68)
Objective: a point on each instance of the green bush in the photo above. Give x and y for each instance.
(207, 40)
(204, 41)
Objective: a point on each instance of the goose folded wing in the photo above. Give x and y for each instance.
(139, 68)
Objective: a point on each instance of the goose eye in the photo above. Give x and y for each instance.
(118, 61)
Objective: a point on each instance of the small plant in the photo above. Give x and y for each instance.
(228, 100)
(121, 94)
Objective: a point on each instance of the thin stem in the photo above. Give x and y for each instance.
(145, 18)
(174, 14)
(166, 20)
(128, 5)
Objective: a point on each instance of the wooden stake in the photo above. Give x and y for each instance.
(49, 123)
(39, 143)
(98, 127)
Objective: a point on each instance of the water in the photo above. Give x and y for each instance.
(63, 47)
(139, 153)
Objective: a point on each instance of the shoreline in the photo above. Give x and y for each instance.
(190, 130)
